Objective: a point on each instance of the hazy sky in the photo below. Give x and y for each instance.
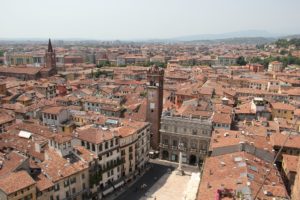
(139, 19)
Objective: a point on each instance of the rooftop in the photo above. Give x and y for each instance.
(242, 174)
(15, 181)
(56, 167)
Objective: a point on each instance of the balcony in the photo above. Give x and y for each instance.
(76, 194)
(193, 150)
(117, 163)
(182, 149)
(203, 152)
(174, 147)
(164, 146)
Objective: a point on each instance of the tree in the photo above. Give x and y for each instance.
(286, 60)
(1, 53)
(99, 65)
(98, 73)
(241, 61)
(283, 43)
(283, 52)
(260, 46)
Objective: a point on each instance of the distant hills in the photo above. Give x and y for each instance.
(297, 36)
(239, 40)
(239, 37)
(230, 35)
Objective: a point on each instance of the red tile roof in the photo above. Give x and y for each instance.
(15, 181)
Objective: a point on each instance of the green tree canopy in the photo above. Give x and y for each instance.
(241, 61)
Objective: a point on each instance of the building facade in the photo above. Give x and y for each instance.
(55, 116)
(275, 66)
(47, 89)
(192, 133)
(295, 190)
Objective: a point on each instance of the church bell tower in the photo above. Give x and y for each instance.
(50, 57)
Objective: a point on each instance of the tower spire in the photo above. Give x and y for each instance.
(50, 58)
(50, 46)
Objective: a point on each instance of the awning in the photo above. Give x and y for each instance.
(109, 190)
(119, 184)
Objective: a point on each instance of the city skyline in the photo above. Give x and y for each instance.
(141, 100)
(137, 20)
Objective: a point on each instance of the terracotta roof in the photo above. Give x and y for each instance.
(244, 109)
(297, 112)
(57, 167)
(85, 154)
(94, 135)
(223, 108)
(293, 92)
(223, 138)
(42, 182)
(278, 139)
(124, 131)
(20, 70)
(276, 62)
(241, 173)
(15, 181)
(60, 138)
(4, 118)
(282, 106)
(221, 118)
(23, 98)
(140, 115)
(15, 106)
(10, 162)
(106, 101)
(53, 110)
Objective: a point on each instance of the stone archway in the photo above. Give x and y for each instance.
(193, 159)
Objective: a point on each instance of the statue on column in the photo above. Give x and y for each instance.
(179, 169)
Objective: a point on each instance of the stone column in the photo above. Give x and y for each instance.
(180, 162)
(179, 169)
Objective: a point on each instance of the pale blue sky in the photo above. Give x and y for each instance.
(139, 19)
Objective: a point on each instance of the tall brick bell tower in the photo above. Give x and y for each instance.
(50, 58)
(155, 80)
